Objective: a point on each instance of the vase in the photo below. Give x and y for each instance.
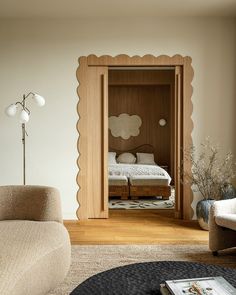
(228, 193)
(202, 210)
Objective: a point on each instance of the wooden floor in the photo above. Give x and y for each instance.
(136, 227)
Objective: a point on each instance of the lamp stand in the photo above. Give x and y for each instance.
(24, 118)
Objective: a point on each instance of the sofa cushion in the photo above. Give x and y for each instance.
(226, 220)
(34, 256)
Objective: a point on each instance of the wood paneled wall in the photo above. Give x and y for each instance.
(149, 94)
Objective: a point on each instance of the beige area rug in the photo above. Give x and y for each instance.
(90, 260)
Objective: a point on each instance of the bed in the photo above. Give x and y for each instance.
(118, 186)
(143, 180)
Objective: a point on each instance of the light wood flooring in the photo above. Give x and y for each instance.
(136, 227)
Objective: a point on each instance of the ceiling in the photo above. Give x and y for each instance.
(110, 9)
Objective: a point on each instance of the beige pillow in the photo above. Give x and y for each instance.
(145, 158)
(126, 158)
(111, 158)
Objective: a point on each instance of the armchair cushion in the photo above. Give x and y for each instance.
(222, 225)
(226, 220)
(35, 256)
(224, 207)
(34, 245)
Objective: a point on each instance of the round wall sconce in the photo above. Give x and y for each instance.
(162, 122)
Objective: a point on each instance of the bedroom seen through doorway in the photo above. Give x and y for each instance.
(141, 143)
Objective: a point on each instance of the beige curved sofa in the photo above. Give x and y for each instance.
(222, 225)
(35, 247)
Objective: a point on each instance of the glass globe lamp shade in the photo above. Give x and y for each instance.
(11, 110)
(39, 99)
(24, 117)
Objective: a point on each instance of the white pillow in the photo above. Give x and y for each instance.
(126, 158)
(111, 158)
(145, 158)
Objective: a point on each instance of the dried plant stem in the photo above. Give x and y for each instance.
(210, 174)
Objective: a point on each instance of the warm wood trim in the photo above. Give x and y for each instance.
(178, 98)
(186, 124)
(140, 77)
(82, 144)
(104, 142)
(125, 60)
(92, 145)
(187, 131)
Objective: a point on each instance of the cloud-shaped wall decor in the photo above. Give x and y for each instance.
(125, 125)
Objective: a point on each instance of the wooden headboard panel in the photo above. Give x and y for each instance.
(144, 148)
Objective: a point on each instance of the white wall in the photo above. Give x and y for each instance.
(41, 56)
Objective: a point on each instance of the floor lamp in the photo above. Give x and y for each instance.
(24, 118)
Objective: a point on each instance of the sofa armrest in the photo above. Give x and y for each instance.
(220, 237)
(224, 207)
(38, 203)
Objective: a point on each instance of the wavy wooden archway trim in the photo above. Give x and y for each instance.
(187, 107)
(146, 60)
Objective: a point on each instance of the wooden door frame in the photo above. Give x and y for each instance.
(183, 204)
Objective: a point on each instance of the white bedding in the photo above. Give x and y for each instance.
(137, 169)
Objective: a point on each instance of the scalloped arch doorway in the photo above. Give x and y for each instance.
(92, 126)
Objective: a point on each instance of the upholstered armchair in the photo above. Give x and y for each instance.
(222, 225)
(34, 245)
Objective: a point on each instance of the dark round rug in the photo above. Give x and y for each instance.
(145, 278)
